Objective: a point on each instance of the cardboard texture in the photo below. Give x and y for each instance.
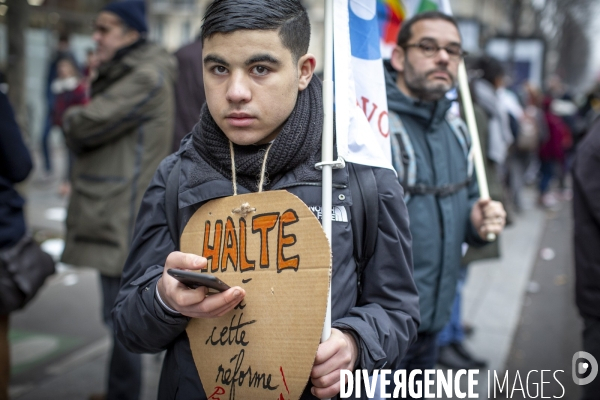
(272, 245)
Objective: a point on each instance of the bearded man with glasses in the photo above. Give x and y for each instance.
(430, 149)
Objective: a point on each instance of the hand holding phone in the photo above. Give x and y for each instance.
(194, 280)
(195, 303)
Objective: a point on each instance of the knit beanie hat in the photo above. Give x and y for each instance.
(131, 12)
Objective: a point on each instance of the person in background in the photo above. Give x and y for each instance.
(189, 90)
(518, 157)
(69, 90)
(500, 136)
(563, 106)
(444, 206)
(452, 352)
(586, 216)
(15, 166)
(63, 51)
(91, 66)
(534, 131)
(588, 112)
(118, 139)
(552, 152)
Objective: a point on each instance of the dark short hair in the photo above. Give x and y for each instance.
(405, 33)
(491, 68)
(287, 16)
(63, 37)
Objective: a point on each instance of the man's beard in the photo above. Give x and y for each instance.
(423, 89)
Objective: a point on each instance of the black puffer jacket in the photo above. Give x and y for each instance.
(15, 165)
(385, 317)
(586, 214)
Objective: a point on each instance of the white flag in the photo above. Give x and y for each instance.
(362, 125)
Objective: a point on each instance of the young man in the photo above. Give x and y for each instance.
(118, 138)
(264, 102)
(444, 205)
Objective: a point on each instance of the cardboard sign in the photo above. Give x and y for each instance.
(272, 245)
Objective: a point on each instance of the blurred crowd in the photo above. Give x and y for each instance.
(529, 134)
(529, 137)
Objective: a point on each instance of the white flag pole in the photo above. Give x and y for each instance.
(327, 146)
(463, 83)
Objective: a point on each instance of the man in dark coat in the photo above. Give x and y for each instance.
(586, 213)
(444, 205)
(119, 138)
(189, 90)
(264, 107)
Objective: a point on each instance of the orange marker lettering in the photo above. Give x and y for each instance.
(287, 218)
(211, 253)
(245, 265)
(230, 250)
(263, 224)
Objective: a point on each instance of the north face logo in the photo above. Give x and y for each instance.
(338, 213)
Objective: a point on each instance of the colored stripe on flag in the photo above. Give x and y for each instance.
(362, 126)
(390, 13)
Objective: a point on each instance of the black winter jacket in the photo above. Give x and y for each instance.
(15, 165)
(586, 214)
(439, 224)
(385, 317)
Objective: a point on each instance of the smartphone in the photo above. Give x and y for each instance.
(194, 279)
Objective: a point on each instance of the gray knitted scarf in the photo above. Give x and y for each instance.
(297, 147)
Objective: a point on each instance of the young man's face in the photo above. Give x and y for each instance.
(252, 82)
(111, 35)
(423, 76)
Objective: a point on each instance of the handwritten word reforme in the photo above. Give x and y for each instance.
(236, 376)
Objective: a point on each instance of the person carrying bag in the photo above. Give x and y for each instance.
(23, 265)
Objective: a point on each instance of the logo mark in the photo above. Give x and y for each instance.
(581, 367)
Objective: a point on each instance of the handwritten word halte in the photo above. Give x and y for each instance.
(229, 243)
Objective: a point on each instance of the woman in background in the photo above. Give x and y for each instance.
(69, 89)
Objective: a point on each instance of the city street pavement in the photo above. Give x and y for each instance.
(520, 306)
(549, 330)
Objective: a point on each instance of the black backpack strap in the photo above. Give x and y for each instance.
(365, 215)
(171, 202)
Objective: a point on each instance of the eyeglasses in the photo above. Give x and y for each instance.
(430, 48)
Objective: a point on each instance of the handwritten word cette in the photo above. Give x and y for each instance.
(229, 244)
(225, 336)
